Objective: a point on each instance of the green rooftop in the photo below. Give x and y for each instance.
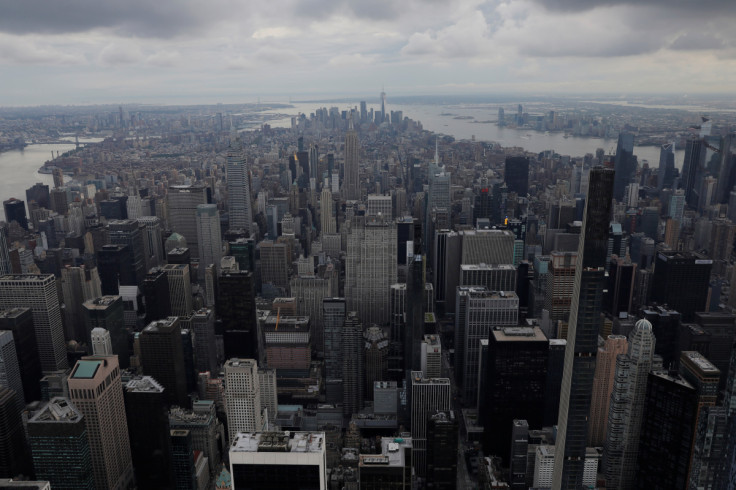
(86, 369)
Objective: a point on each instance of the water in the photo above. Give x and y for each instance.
(430, 117)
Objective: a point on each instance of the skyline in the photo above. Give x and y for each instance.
(105, 52)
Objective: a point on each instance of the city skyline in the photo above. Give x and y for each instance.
(139, 52)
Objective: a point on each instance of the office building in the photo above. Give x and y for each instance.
(101, 342)
(681, 280)
(162, 357)
(516, 175)
(19, 321)
(182, 460)
(208, 434)
(431, 351)
(39, 193)
(351, 186)
(243, 395)
(560, 282)
(326, 213)
(498, 277)
(428, 395)
(148, 429)
(182, 204)
(619, 297)
(205, 351)
(334, 320)
(582, 338)
(180, 289)
(513, 384)
(670, 414)
(275, 264)
(666, 326)
(95, 389)
(236, 309)
(310, 291)
(39, 293)
(57, 435)
(10, 367)
(269, 393)
(277, 460)
(128, 232)
(353, 365)
(627, 406)
(78, 284)
(624, 164)
(208, 234)
(113, 266)
(14, 459)
(107, 312)
(156, 296)
(151, 229)
(487, 246)
(555, 368)
(376, 348)
(603, 379)
(442, 443)
(544, 458)
(239, 202)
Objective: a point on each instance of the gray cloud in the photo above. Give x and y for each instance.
(709, 6)
(697, 41)
(128, 17)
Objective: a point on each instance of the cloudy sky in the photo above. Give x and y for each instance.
(171, 51)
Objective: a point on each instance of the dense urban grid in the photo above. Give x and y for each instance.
(204, 301)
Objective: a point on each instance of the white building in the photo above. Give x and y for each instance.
(101, 342)
(243, 396)
(238, 190)
(544, 462)
(431, 356)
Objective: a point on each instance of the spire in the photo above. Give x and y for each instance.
(350, 122)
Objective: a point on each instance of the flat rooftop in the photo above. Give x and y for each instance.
(279, 442)
(143, 384)
(86, 369)
(58, 410)
(518, 334)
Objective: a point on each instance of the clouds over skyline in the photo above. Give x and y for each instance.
(240, 50)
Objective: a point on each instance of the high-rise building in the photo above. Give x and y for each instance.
(334, 320)
(428, 395)
(376, 358)
(57, 435)
(431, 356)
(101, 342)
(666, 171)
(162, 357)
(128, 232)
(624, 164)
(148, 429)
(555, 368)
(275, 264)
(681, 280)
(487, 246)
(310, 291)
(10, 367)
(353, 365)
(156, 295)
(152, 241)
(351, 185)
(208, 234)
(39, 193)
(107, 312)
(370, 268)
(627, 406)
(326, 213)
(236, 309)
(19, 321)
(605, 372)
(14, 459)
(516, 175)
(620, 286)
(478, 311)
(243, 394)
(414, 312)
(205, 350)
(239, 200)
(95, 389)
(182, 203)
(560, 282)
(182, 459)
(273, 460)
(208, 434)
(78, 284)
(180, 289)
(442, 440)
(15, 210)
(670, 414)
(39, 293)
(513, 384)
(113, 265)
(582, 338)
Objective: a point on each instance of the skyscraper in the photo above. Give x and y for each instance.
(182, 202)
(334, 320)
(243, 394)
(153, 243)
(353, 365)
(351, 186)
(107, 312)
(428, 395)
(666, 171)
(95, 389)
(582, 338)
(624, 164)
(19, 321)
(128, 232)
(605, 372)
(10, 367)
(326, 214)
(60, 447)
(14, 460)
(162, 357)
(516, 175)
(238, 190)
(627, 406)
(182, 459)
(208, 235)
(39, 293)
(180, 289)
(236, 309)
(15, 210)
(205, 350)
(442, 439)
(681, 280)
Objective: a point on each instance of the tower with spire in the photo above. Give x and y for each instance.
(352, 166)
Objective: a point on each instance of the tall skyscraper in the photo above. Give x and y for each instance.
(627, 406)
(101, 342)
(582, 338)
(15, 210)
(113, 265)
(516, 175)
(182, 202)
(180, 289)
(182, 459)
(353, 365)
(148, 428)
(10, 367)
(128, 232)
(107, 312)
(153, 243)
(442, 440)
(326, 214)
(57, 435)
(428, 395)
(681, 280)
(39, 293)
(351, 184)
(236, 309)
(376, 358)
(19, 321)
(666, 171)
(162, 357)
(205, 350)
(243, 394)
(155, 291)
(624, 165)
(334, 320)
(605, 372)
(14, 459)
(78, 284)
(208, 235)
(370, 268)
(415, 308)
(239, 200)
(95, 389)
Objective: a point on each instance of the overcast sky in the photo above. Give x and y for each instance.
(97, 51)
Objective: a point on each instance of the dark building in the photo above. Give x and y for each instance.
(58, 438)
(236, 310)
(113, 265)
(187, 347)
(721, 329)
(584, 326)
(442, 440)
(107, 312)
(15, 210)
(624, 164)
(692, 170)
(414, 330)
(681, 281)
(666, 328)
(156, 295)
(516, 370)
(162, 357)
(128, 232)
(148, 427)
(244, 251)
(668, 425)
(40, 194)
(182, 460)
(553, 382)
(20, 322)
(482, 207)
(14, 459)
(404, 233)
(114, 208)
(516, 175)
(620, 286)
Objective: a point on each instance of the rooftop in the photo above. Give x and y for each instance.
(57, 410)
(392, 453)
(86, 369)
(143, 384)
(291, 442)
(518, 334)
